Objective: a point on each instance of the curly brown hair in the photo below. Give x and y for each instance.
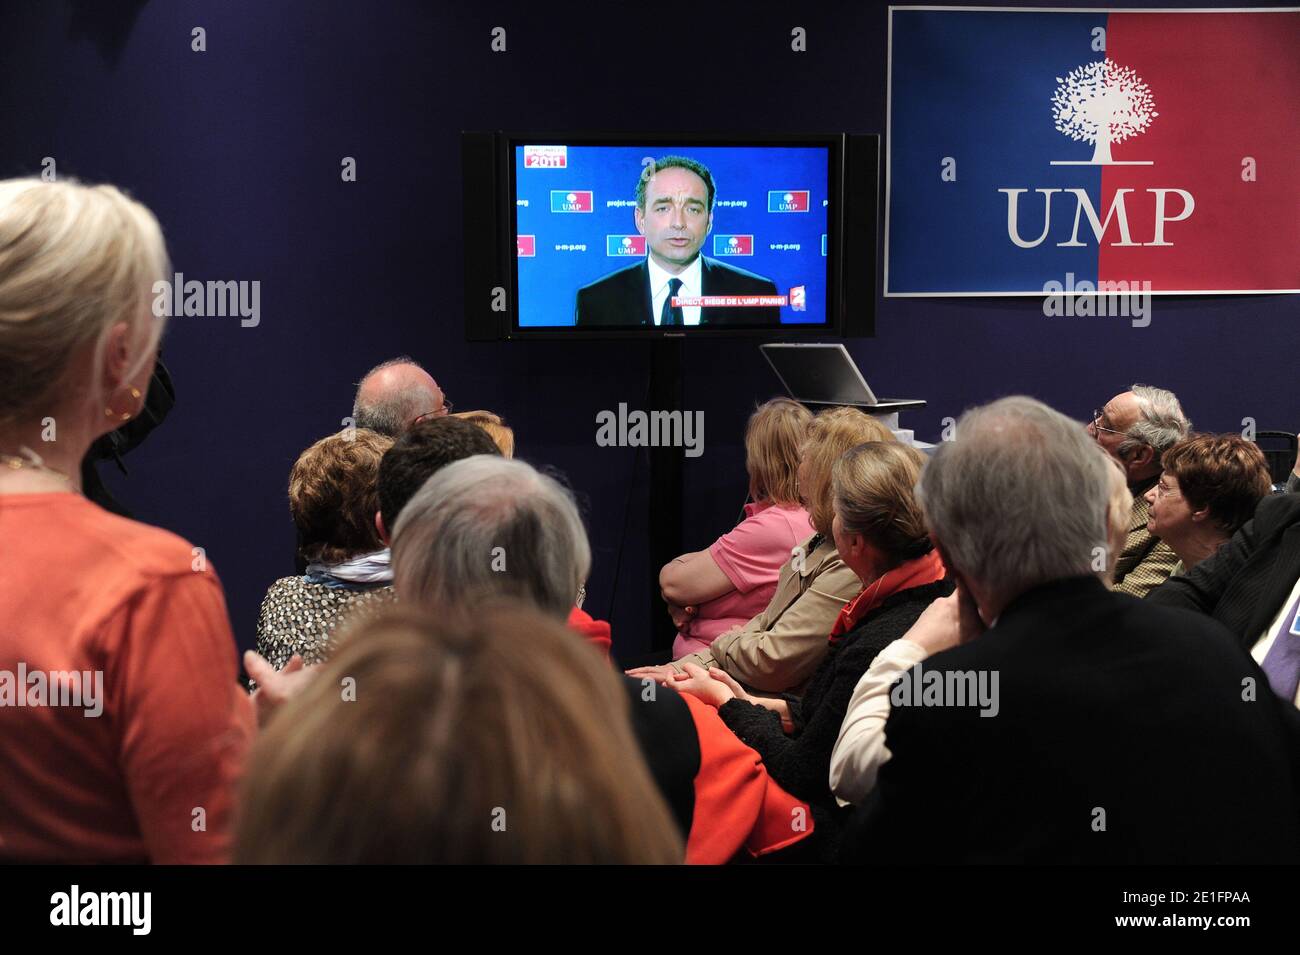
(334, 495)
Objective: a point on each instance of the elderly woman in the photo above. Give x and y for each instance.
(880, 535)
(333, 497)
(131, 627)
(711, 591)
(1209, 489)
(486, 531)
(778, 650)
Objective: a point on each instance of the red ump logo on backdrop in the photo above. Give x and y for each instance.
(576, 200)
(526, 246)
(621, 245)
(733, 245)
(787, 200)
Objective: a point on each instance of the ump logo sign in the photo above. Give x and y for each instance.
(787, 200)
(620, 245)
(1104, 148)
(733, 245)
(563, 200)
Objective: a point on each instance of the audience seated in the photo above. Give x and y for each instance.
(778, 650)
(1083, 726)
(879, 533)
(860, 750)
(333, 497)
(491, 737)
(1209, 488)
(497, 430)
(1252, 587)
(125, 624)
(427, 448)
(396, 394)
(486, 529)
(1135, 428)
(711, 591)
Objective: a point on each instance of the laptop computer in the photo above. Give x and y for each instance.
(820, 374)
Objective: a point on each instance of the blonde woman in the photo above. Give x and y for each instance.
(711, 591)
(142, 769)
(503, 436)
(778, 650)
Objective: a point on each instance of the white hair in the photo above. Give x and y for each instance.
(490, 527)
(1160, 424)
(1020, 498)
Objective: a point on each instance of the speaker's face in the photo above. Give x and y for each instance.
(676, 219)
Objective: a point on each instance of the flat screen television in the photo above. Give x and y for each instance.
(665, 235)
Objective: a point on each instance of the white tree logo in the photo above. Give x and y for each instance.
(1102, 103)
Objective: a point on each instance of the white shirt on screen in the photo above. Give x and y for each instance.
(692, 284)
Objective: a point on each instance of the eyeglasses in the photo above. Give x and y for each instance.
(1097, 426)
(1163, 490)
(442, 412)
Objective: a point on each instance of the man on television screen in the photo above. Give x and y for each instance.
(674, 211)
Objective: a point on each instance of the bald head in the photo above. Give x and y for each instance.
(392, 395)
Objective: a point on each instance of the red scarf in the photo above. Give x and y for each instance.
(913, 573)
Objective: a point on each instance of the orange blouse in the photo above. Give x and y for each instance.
(133, 610)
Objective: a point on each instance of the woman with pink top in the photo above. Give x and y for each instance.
(711, 591)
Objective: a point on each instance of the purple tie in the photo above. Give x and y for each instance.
(1282, 663)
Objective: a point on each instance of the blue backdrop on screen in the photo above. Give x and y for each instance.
(565, 243)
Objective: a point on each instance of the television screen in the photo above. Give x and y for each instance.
(618, 237)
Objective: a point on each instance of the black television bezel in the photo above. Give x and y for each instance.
(834, 143)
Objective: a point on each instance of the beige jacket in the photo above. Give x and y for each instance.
(779, 649)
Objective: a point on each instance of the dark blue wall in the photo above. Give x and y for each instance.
(237, 150)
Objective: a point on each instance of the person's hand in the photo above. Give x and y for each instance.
(1296, 470)
(946, 623)
(275, 687)
(662, 674)
(698, 682)
(970, 623)
(725, 678)
(681, 615)
(939, 626)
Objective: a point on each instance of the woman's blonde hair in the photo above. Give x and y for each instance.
(830, 434)
(494, 738)
(874, 491)
(502, 435)
(74, 261)
(775, 432)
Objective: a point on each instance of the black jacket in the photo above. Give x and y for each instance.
(1122, 736)
(1244, 585)
(623, 297)
(801, 762)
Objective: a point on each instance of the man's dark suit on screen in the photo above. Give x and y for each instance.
(1121, 736)
(623, 297)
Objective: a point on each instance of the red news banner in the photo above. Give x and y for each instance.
(729, 301)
